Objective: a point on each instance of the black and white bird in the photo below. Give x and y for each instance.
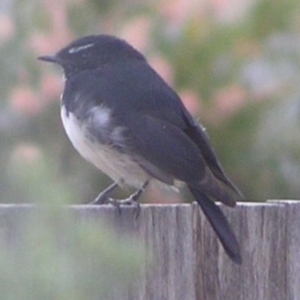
(121, 116)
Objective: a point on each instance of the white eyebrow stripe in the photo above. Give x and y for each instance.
(80, 48)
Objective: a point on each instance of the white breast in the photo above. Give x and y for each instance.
(120, 167)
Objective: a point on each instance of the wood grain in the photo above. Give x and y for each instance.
(184, 260)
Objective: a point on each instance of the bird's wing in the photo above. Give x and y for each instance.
(199, 137)
(168, 148)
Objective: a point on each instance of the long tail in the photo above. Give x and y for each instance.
(220, 225)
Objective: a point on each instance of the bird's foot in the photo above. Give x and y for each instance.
(130, 201)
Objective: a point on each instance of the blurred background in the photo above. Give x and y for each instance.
(235, 64)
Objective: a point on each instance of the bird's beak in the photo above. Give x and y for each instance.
(49, 58)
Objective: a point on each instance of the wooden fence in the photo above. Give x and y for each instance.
(187, 260)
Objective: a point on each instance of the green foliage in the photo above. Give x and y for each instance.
(51, 253)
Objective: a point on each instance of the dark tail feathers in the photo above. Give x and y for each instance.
(220, 225)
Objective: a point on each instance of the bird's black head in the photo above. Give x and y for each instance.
(91, 52)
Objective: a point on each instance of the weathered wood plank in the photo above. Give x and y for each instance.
(292, 247)
(166, 232)
(184, 260)
(171, 271)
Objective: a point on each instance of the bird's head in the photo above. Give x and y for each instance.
(91, 52)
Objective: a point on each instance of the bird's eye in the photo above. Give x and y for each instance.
(80, 48)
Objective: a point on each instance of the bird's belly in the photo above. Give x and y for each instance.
(118, 166)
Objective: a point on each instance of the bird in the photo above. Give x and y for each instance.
(122, 117)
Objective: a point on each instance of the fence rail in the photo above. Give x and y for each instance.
(187, 260)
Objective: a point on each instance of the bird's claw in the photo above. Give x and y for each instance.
(128, 201)
(103, 198)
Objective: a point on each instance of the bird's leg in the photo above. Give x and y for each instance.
(135, 196)
(131, 200)
(103, 196)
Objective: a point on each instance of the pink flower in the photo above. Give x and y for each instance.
(24, 100)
